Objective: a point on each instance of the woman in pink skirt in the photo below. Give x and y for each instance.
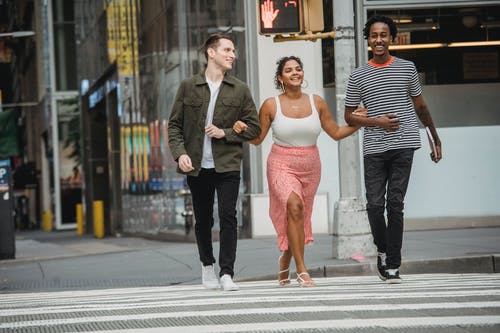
(293, 165)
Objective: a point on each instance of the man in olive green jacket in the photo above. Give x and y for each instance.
(209, 152)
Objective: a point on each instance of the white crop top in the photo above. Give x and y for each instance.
(296, 132)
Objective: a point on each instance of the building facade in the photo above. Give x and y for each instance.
(144, 49)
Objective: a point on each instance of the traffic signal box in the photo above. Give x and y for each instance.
(292, 17)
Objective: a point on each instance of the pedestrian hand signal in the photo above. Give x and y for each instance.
(279, 16)
(291, 17)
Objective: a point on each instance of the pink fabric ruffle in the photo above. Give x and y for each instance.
(292, 169)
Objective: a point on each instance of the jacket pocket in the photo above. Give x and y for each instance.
(192, 103)
(231, 102)
(231, 112)
(192, 116)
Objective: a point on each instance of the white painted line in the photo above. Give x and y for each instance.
(96, 303)
(250, 311)
(143, 295)
(415, 280)
(334, 324)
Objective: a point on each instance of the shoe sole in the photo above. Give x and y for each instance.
(214, 287)
(393, 281)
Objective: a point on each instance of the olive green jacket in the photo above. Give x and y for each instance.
(186, 126)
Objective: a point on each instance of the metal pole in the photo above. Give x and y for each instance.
(351, 234)
(309, 36)
(7, 237)
(183, 39)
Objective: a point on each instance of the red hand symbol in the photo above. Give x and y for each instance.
(268, 14)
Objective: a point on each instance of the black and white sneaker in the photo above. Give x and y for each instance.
(392, 276)
(381, 266)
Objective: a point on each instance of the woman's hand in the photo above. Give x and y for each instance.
(239, 126)
(362, 112)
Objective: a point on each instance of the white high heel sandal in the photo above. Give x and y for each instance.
(283, 282)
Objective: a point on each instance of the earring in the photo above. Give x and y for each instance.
(282, 86)
(306, 84)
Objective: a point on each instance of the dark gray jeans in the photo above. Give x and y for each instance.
(387, 171)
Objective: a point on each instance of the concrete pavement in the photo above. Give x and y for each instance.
(63, 260)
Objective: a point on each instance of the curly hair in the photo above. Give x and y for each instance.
(383, 19)
(279, 69)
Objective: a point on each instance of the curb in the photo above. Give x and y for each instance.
(452, 265)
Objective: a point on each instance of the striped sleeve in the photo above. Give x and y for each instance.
(353, 93)
(415, 88)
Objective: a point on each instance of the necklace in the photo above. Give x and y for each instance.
(298, 103)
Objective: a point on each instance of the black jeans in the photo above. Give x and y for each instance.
(203, 189)
(390, 170)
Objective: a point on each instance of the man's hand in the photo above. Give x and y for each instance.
(268, 13)
(185, 163)
(214, 132)
(389, 121)
(437, 158)
(239, 126)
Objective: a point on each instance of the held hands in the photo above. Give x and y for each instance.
(185, 163)
(239, 126)
(214, 132)
(360, 112)
(363, 112)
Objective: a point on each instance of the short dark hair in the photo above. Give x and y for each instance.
(213, 41)
(383, 19)
(279, 69)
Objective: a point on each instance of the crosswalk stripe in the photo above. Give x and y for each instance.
(256, 311)
(97, 304)
(263, 302)
(341, 283)
(410, 322)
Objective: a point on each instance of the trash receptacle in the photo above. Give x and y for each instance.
(7, 239)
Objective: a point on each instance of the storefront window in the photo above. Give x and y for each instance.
(64, 45)
(457, 54)
(68, 119)
(449, 45)
(171, 35)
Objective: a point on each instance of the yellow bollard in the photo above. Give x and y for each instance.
(98, 219)
(79, 219)
(47, 220)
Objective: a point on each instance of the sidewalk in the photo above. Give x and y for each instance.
(61, 258)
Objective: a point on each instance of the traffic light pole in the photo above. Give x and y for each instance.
(351, 233)
(7, 238)
(309, 36)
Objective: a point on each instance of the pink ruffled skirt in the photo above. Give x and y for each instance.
(292, 169)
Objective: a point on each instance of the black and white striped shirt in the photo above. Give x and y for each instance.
(384, 89)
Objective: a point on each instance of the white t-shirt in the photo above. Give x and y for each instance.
(207, 161)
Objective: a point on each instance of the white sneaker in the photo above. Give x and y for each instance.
(208, 277)
(227, 283)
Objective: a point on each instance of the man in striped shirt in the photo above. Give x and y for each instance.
(389, 89)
